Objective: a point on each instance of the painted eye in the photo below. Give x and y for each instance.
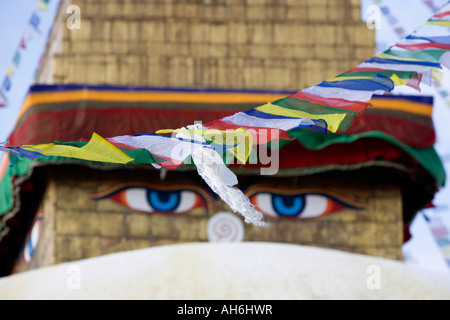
(151, 200)
(32, 240)
(298, 206)
(147, 200)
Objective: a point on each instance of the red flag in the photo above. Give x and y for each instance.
(423, 46)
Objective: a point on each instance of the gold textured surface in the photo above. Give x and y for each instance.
(270, 44)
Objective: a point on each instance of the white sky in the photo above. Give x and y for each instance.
(422, 250)
(14, 18)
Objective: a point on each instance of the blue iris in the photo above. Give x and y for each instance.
(288, 205)
(164, 200)
(30, 247)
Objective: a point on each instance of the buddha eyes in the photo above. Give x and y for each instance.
(151, 200)
(148, 200)
(294, 204)
(301, 205)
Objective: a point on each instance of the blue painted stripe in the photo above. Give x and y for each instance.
(419, 99)
(76, 87)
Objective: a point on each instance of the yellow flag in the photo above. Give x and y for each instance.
(333, 120)
(10, 70)
(444, 23)
(240, 139)
(339, 78)
(97, 149)
(397, 81)
(437, 75)
(244, 144)
(41, 5)
(391, 56)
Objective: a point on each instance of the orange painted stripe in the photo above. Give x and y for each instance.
(154, 96)
(403, 105)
